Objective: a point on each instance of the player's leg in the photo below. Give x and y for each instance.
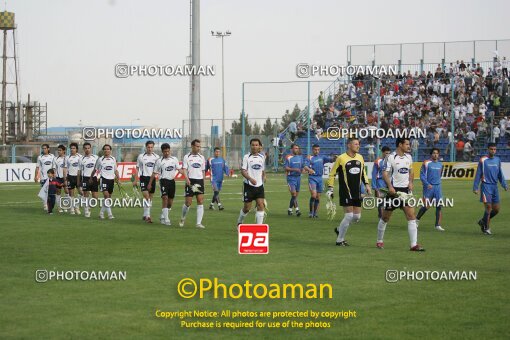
(486, 196)
(438, 202)
(58, 195)
(313, 196)
(316, 205)
(427, 196)
(188, 199)
(111, 185)
(292, 189)
(51, 203)
(381, 226)
(341, 230)
(215, 195)
(296, 205)
(200, 210)
(259, 215)
(219, 186)
(412, 228)
(247, 199)
(146, 197)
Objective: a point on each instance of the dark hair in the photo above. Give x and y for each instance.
(149, 142)
(216, 148)
(45, 145)
(165, 146)
(434, 149)
(73, 144)
(293, 145)
(195, 141)
(316, 146)
(490, 145)
(50, 171)
(352, 139)
(86, 143)
(106, 145)
(61, 146)
(401, 141)
(385, 148)
(255, 140)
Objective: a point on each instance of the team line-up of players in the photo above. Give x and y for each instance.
(392, 176)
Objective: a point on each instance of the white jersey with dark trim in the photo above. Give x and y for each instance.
(254, 164)
(73, 164)
(59, 163)
(45, 163)
(399, 168)
(167, 168)
(194, 165)
(145, 163)
(106, 166)
(87, 165)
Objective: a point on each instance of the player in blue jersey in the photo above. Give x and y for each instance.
(294, 164)
(314, 165)
(218, 168)
(377, 177)
(488, 174)
(430, 176)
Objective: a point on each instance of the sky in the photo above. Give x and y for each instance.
(68, 50)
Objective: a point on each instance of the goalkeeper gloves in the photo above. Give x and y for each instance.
(330, 193)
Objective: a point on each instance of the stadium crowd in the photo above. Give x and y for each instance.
(422, 101)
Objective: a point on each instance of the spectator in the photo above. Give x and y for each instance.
(371, 152)
(460, 149)
(468, 152)
(293, 130)
(321, 99)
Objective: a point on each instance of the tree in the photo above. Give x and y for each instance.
(290, 117)
(256, 129)
(237, 127)
(268, 128)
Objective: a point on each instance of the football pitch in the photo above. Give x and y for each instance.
(301, 250)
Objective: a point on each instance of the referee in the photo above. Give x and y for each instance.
(350, 168)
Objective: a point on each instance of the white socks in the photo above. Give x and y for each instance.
(241, 217)
(381, 227)
(413, 232)
(259, 217)
(200, 213)
(184, 211)
(165, 214)
(147, 209)
(356, 217)
(344, 225)
(57, 201)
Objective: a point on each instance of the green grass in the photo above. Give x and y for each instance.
(301, 251)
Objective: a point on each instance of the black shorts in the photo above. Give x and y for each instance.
(198, 183)
(86, 186)
(350, 202)
(251, 193)
(144, 183)
(167, 187)
(106, 185)
(391, 203)
(72, 181)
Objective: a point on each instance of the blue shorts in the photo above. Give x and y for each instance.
(489, 193)
(217, 185)
(315, 183)
(294, 183)
(435, 193)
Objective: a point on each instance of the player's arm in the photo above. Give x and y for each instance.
(501, 178)
(411, 178)
(386, 176)
(332, 173)
(38, 169)
(478, 177)
(226, 169)
(117, 177)
(263, 176)
(157, 167)
(375, 171)
(244, 171)
(364, 179)
(139, 165)
(423, 175)
(307, 167)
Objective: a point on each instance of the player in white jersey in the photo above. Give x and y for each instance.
(60, 166)
(166, 168)
(144, 167)
(253, 171)
(107, 167)
(73, 167)
(194, 171)
(44, 163)
(87, 179)
(399, 177)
